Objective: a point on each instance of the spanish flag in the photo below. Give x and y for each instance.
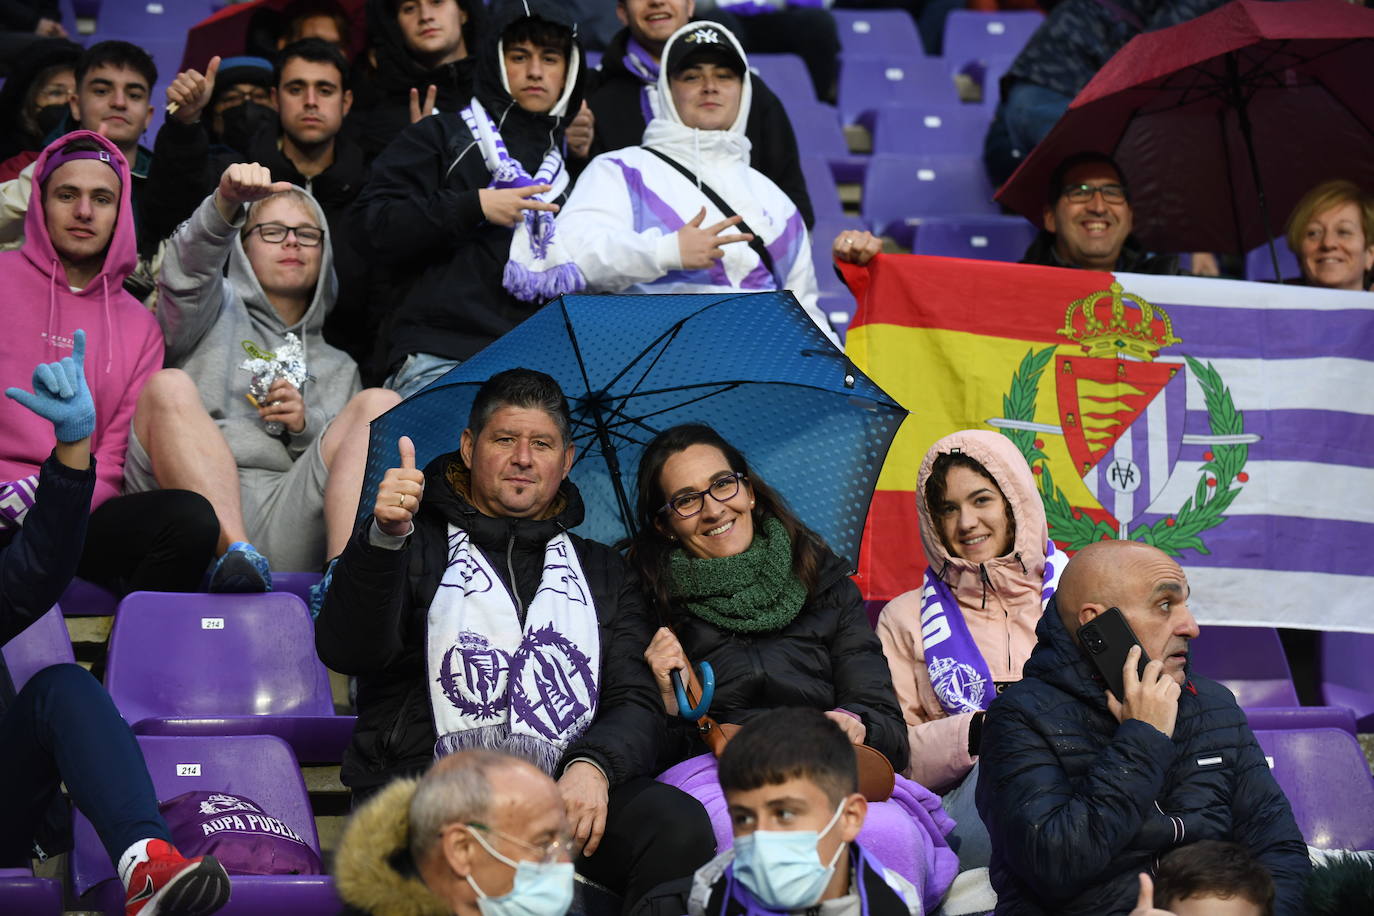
(1228, 423)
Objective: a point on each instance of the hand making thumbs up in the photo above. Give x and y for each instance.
(400, 492)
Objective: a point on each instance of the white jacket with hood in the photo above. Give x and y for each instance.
(207, 316)
(620, 223)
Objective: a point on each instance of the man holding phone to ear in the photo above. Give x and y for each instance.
(1082, 789)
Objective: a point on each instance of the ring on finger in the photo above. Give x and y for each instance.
(401, 500)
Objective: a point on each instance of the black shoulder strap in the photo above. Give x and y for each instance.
(755, 243)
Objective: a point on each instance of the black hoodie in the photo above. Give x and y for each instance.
(384, 76)
(423, 217)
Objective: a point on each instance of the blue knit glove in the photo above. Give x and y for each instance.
(60, 394)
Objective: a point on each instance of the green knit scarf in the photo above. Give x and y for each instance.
(751, 592)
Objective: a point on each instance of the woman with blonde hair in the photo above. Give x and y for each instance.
(1332, 233)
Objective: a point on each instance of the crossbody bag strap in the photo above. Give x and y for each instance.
(755, 243)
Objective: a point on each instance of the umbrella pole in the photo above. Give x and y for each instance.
(1243, 113)
(612, 457)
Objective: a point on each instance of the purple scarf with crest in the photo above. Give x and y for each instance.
(958, 671)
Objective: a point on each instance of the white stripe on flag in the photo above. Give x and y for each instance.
(1123, 504)
(1292, 384)
(1302, 489)
(1239, 294)
(1157, 415)
(1260, 597)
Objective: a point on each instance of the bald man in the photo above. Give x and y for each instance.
(1081, 793)
(479, 824)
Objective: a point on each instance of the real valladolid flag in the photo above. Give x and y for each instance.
(1231, 424)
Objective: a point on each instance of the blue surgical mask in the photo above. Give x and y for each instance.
(782, 868)
(541, 888)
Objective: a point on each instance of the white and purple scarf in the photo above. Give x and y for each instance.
(527, 691)
(958, 671)
(16, 499)
(644, 66)
(539, 267)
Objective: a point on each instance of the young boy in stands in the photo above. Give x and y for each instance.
(792, 785)
(1207, 878)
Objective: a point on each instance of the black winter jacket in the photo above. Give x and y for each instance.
(38, 561)
(1133, 259)
(827, 658)
(373, 625)
(1078, 805)
(615, 103)
(424, 218)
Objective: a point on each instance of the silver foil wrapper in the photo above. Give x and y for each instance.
(264, 368)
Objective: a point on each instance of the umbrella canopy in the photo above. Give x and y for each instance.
(753, 366)
(1196, 113)
(226, 32)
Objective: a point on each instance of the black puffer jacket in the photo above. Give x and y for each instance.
(827, 658)
(1133, 259)
(424, 218)
(1078, 805)
(373, 625)
(620, 122)
(383, 77)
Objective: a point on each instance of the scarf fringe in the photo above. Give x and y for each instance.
(542, 285)
(499, 738)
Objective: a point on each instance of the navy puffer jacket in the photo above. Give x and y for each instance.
(1078, 805)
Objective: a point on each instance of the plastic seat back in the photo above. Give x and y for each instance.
(869, 33)
(1249, 660)
(987, 238)
(44, 642)
(867, 84)
(936, 127)
(900, 191)
(972, 35)
(1347, 666)
(1259, 264)
(1326, 778)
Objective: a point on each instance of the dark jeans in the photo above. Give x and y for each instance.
(654, 833)
(63, 728)
(159, 541)
(809, 33)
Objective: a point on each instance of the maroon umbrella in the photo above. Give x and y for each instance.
(1222, 123)
(226, 32)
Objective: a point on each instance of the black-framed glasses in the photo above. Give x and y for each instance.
(275, 233)
(561, 848)
(722, 489)
(1082, 193)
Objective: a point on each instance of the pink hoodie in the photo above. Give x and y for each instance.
(123, 343)
(1004, 628)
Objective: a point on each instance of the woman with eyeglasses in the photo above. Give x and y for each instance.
(743, 584)
(991, 568)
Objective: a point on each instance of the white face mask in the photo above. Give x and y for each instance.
(541, 888)
(783, 868)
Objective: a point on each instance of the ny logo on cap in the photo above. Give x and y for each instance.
(703, 37)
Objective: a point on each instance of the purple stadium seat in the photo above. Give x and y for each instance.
(866, 84)
(21, 894)
(593, 59)
(1247, 660)
(900, 191)
(1347, 663)
(787, 76)
(1260, 266)
(86, 599)
(1326, 778)
(151, 19)
(820, 184)
(839, 308)
(984, 238)
(913, 129)
(260, 767)
(822, 237)
(971, 35)
(197, 664)
(1282, 718)
(44, 642)
(294, 583)
(819, 136)
(874, 33)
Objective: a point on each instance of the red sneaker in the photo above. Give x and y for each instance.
(170, 885)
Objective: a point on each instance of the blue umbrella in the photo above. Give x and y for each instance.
(753, 366)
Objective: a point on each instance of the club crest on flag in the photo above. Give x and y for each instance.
(1122, 413)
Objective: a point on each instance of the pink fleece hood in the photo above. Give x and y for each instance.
(1017, 576)
(120, 258)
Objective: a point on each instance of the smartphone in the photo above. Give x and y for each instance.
(1107, 639)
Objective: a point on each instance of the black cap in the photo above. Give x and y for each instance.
(704, 41)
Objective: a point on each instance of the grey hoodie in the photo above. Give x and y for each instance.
(206, 317)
